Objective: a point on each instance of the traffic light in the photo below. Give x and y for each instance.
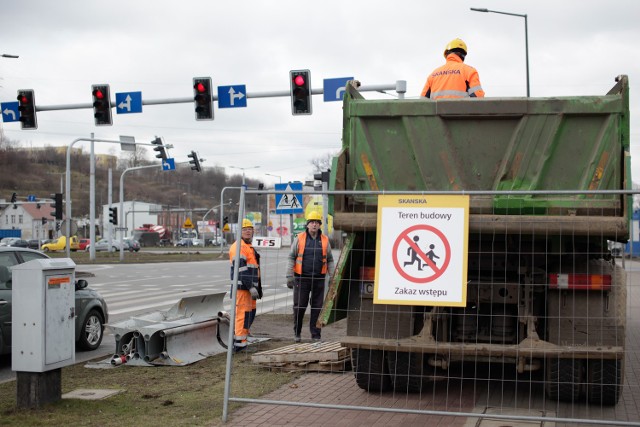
(57, 205)
(101, 105)
(113, 216)
(322, 177)
(203, 98)
(162, 154)
(300, 92)
(195, 161)
(14, 197)
(27, 109)
(44, 220)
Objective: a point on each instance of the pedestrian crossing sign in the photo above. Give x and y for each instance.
(289, 202)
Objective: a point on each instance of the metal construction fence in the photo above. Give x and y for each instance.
(457, 308)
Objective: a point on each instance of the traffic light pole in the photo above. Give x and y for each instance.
(123, 225)
(400, 87)
(68, 185)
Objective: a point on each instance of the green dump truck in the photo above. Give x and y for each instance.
(544, 297)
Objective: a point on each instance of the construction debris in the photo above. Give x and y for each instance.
(192, 329)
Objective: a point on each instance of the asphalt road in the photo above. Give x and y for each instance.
(135, 289)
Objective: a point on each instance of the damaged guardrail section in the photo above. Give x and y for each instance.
(189, 331)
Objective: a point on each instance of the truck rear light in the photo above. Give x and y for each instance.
(599, 282)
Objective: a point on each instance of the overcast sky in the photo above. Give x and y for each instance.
(576, 47)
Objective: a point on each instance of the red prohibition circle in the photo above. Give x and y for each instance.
(405, 234)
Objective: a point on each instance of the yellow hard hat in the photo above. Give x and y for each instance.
(247, 223)
(314, 216)
(455, 44)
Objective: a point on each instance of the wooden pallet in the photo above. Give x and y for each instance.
(320, 356)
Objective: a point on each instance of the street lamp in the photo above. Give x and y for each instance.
(526, 35)
(6, 55)
(243, 169)
(275, 176)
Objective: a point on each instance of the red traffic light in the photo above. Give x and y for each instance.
(98, 94)
(299, 80)
(23, 99)
(199, 87)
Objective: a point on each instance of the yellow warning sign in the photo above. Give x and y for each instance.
(187, 223)
(226, 228)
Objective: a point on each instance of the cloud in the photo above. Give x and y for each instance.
(157, 47)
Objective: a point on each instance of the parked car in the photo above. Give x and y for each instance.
(60, 244)
(132, 245)
(217, 241)
(15, 242)
(103, 245)
(34, 244)
(184, 242)
(83, 243)
(90, 308)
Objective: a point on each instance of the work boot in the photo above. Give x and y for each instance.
(297, 338)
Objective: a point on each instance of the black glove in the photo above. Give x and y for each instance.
(290, 282)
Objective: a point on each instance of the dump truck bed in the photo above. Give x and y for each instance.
(500, 144)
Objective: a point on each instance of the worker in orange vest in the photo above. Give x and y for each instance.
(249, 288)
(455, 79)
(310, 260)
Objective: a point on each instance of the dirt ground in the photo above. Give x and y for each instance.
(280, 327)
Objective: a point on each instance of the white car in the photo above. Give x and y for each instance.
(103, 245)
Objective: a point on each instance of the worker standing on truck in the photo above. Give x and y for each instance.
(249, 288)
(454, 79)
(310, 260)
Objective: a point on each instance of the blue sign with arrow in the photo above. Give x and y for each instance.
(232, 96)
(10, 112)
(289, 202)
(129, 102)
(169, 164)
(334, 88)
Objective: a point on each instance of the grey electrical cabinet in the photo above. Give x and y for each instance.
(43, 324)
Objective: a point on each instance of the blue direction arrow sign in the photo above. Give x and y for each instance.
(10, 112)
(232, 96)
(169, 164)
(289, 202)
(31, 198)
(334, 88)
(129, 102)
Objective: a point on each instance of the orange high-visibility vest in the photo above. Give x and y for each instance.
(455, 79)
(302, 240)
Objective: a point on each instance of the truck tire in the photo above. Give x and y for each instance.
(564, 379)
(370, 369)
(406, 371)
(605, 382)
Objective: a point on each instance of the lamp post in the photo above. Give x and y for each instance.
(526, 35)
(7, 55)
(243, 169)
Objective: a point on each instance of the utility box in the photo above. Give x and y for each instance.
(43, 326)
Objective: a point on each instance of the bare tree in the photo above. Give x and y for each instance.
(131, 159)
(323, 162)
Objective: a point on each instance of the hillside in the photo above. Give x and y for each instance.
(38, 171)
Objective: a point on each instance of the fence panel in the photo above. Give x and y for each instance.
(546, 330)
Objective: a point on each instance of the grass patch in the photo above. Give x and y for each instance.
(82, 257)
(191, 395)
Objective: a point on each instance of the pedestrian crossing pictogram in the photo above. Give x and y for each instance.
(289, 202)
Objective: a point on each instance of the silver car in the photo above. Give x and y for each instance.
(91, 308)
(103, 245)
